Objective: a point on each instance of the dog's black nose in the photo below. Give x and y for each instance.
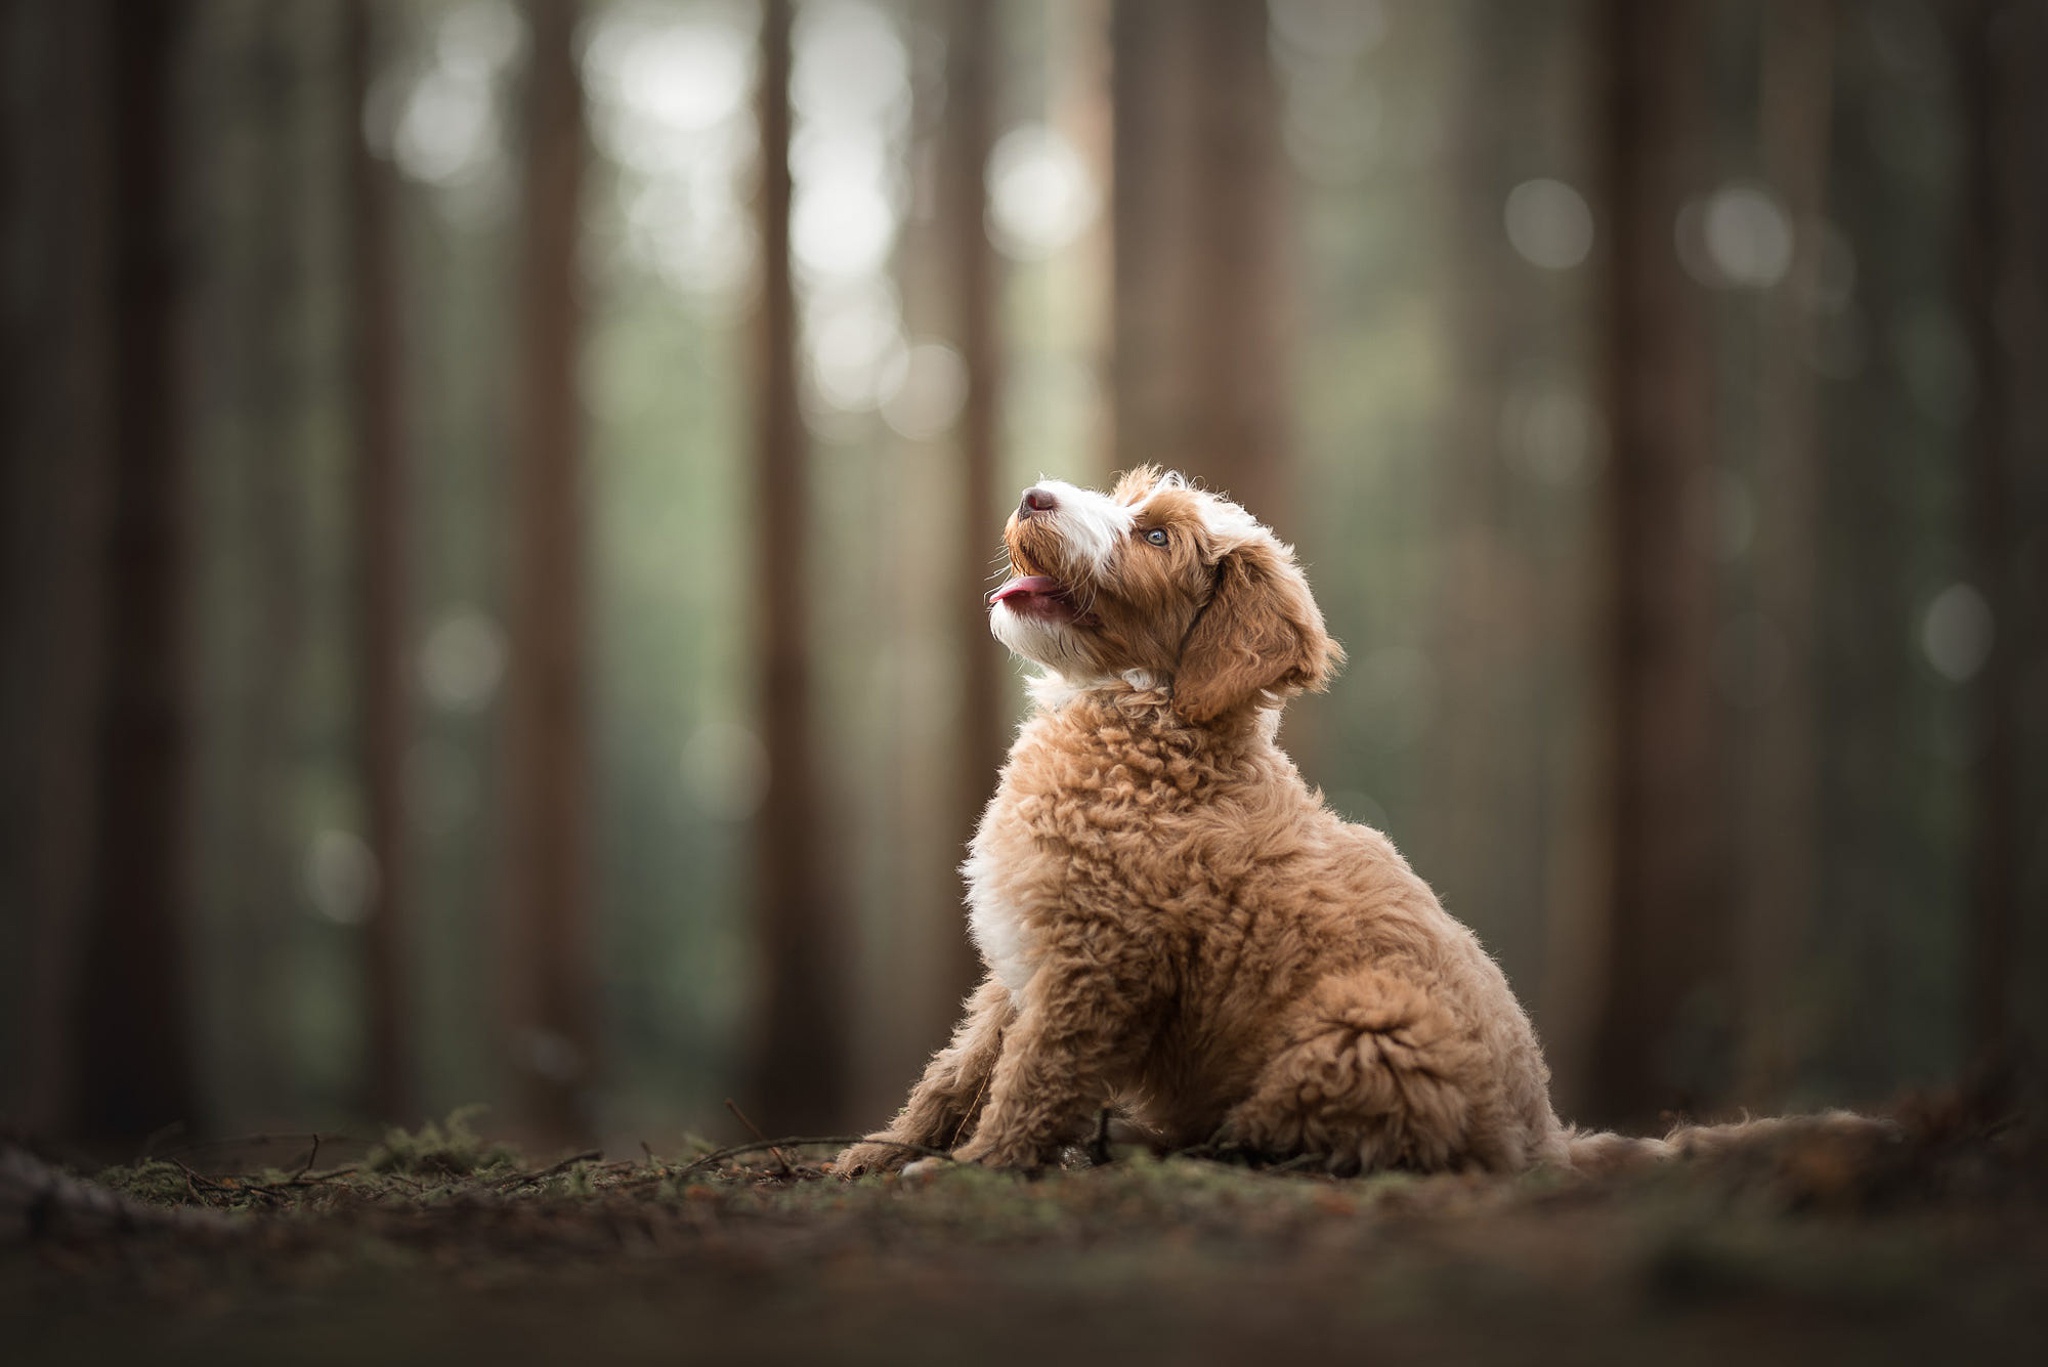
(1036, 501)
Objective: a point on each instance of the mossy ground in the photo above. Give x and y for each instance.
(1933, 1247)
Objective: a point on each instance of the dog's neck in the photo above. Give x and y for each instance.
(1139, 694)
(1053, 692)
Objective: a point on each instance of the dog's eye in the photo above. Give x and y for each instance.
(1157, 536)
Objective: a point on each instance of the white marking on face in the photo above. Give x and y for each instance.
(1092, 523)
(1051, 644)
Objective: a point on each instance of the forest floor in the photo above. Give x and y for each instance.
(1928, 1245)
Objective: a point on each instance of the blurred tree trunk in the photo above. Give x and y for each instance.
(550, 940)
(134, 1070)
(1999, 51)
(1202, 289)
(797, 1074)
(1782, 836)
(1666, 939)
(1486, 841)
(251, 563)
(973, 67)
(57, 432)
(381, 524)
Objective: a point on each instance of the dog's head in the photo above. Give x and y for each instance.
(1164, 580)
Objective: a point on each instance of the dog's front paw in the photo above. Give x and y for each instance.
(860, 1159)
(991, 1152)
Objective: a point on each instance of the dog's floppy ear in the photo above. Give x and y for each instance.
(1261, 631)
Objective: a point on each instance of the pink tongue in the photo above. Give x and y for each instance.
(1025, 584)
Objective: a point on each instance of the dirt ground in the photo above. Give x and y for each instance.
(1929, 1245)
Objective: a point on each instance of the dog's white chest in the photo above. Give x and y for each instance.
(1008, 946)
(999, 893)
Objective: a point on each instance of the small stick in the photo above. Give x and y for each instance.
(523, 1179)
(773, 1152)
(972, 1108)
(311, 1158)
(315, 1179)
(720, 1155)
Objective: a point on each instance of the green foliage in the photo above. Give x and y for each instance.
(447, 1149)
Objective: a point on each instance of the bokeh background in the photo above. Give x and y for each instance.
(497, 498)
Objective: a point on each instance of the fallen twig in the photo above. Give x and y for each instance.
(717, 1156)
(741, 1116)
(518, 1180)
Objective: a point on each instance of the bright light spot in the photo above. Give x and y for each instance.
(675, 78)
(842, 227)
(725, 770)
(1549, 224)
(1041, 196)
(847, 203)
(851, 152)
(933, 391)
(1738, 237)
(690, 232)
(1339, 29)
(851, 90)
(341, 877)
(855, 338)
(1956, 633)
(463, 660)
(851, 66)
(670, 104)
(446, 130)
(1552, 434)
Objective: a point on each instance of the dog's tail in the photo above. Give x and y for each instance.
(1604, 1151)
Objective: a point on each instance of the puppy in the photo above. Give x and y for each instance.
(1173, 922)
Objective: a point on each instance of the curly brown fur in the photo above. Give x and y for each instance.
(1173, 921)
